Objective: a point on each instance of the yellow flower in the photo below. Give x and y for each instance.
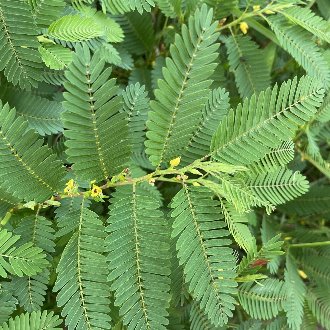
(70, 187)
(302, 274)
(244, 27)
(175, 162)
(70, 183)
(256, 8)
(96, 191)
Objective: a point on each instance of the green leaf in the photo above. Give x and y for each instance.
(202, 245)
(139, 258)
(86, 26)
(139, 32)
(263, 300)
(248, 63)
(97, 134)
(297, 42)
(275, 158)
(55, 56)
(124, 6)
(25, 259)
(7, 201)
(25, 162)
(136, 107)
(81, 285)
(277, 187)
(33, 321)
(243, 136)
(215, 109)
(42, 115)
(308, 21)
(46, 12)
(19, 58)
(319, 303)
(31, 291)
(183, 93)
(296, 292)
(316, 201)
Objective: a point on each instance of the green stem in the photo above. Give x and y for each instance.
(307, 245)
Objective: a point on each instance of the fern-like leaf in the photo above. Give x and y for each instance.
(183, 92)
(264, 122)
(124, 6)
(249, 65)
(295, 291)
(170, 8)
(42, 115)
(46, 12)
(28, 169)
(269, 251)
(237, 225)
(138, 31)
(97, 133)
(55, 56)
(319, 303)
(215, 109)
(31, 291)
(68, 215)
(86, 26)
(136, 107)
(222, 8)
(81, 285)
(33, 321)
(19, 58)
(139, 258)
(316, 201)
(7, 303)
(198, 320)
(202, 245)
(25, 259)
(263, 300)
(309, 21)
(277, 187)
(275, 158)
(7, 201)
(297, 42)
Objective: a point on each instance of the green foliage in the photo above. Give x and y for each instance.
(33, 321)
(25, 162)
(81, 285)
(138, 232)
(202, 244)
(20, 59)
(164, 164)
(263, 300)
(241, 137)
(184, 90)
(249, 65)
(95, 129)
(23, 260)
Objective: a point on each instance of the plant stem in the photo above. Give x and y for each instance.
(307, 245)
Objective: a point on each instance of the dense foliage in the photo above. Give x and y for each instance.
(164, 164)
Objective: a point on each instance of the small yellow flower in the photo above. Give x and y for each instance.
(152, 181)
(96, 191)
(70, 187)
(244, 27)
(302, 274)
(175, 162)
(256, 8)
